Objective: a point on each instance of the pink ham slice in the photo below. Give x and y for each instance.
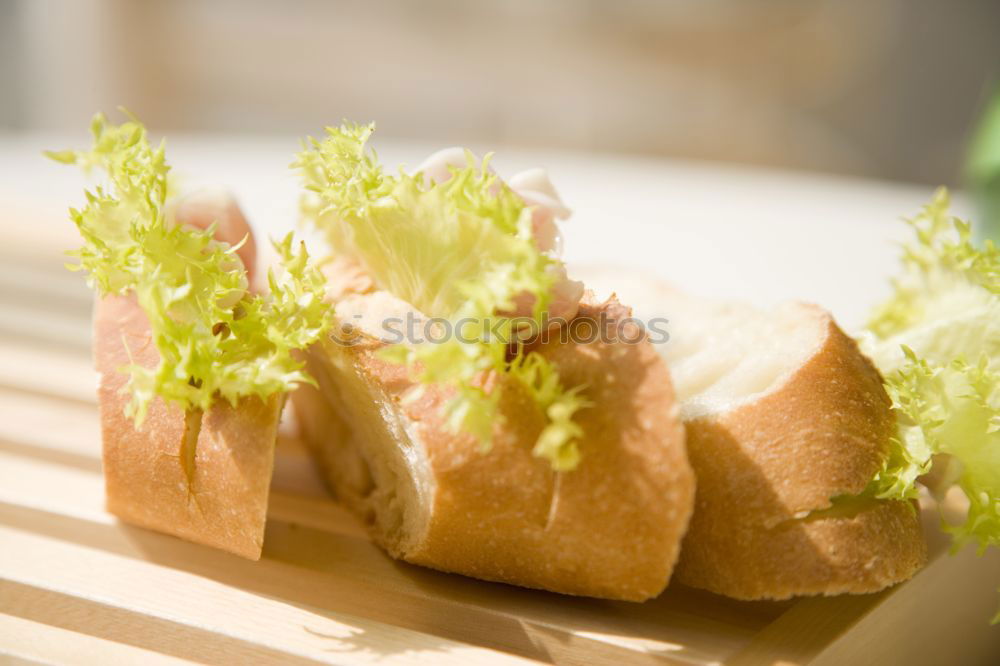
(534, 187)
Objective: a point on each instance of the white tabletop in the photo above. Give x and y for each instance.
(720, 231)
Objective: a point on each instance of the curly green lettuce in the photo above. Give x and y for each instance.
(461, 250)
(937, 344)
(216, 339)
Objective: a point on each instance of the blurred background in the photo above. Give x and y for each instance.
(886, 89)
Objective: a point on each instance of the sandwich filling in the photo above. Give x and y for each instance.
(459, 246)
(937, 343)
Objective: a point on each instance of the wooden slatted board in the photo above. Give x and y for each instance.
(77, 586)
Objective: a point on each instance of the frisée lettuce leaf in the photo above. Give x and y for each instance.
(460, 250)
(215, 338)
(937, 344)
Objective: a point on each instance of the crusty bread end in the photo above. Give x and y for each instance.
(767, 471)
(783, 413)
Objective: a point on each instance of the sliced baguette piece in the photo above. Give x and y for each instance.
(610, 528)
(223, 504)
(783, 413)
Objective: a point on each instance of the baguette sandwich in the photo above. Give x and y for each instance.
(193, 366)
(508, 451)
(787, 425)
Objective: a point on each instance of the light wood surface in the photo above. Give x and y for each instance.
(78, 587)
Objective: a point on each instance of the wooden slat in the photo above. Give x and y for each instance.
(65, 432)
(45, 284)
(65, 374)
(26, 641)
(27, 323)
(41, 301)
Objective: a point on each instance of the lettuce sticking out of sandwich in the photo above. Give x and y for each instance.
(399, 420)
(217, 340)
(937, 343)
(462, 246)
(193, 362)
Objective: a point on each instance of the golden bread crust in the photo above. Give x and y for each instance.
(610, 528)
(225, 503)
(763, 466)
